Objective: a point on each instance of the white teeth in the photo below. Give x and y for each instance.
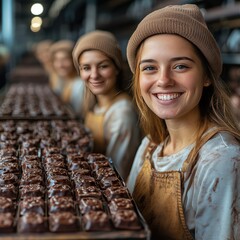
(167, 97)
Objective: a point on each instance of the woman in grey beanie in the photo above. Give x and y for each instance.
(112, 118)
(185, 176)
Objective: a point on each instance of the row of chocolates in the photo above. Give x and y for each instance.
(32, 100)
(54, 186)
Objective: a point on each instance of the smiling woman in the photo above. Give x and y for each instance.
(67, 83)
(186, 170)
(112, 118)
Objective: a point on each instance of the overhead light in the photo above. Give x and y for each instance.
(36, 22)
(37, 9)
(35, 29)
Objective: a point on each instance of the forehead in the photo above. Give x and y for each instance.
(62, 54)
(93, 55)
(167, 44)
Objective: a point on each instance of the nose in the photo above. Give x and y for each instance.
(165, 78)
(94, 73)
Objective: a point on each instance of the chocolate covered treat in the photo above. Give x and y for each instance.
(28, 179)
(30, 158)
(51, 150)
(109, 181)
(52, 158)
(116, 192)
(58, 179)
(26, 164)
(32, 204)
(56, 171)
(80, 173)
(31, 222)
(59, 190)
(6, 205)
(28, 151)
(96, 221)
(104, 172)
(125, 219)
(75, 158)
(120, 204)
(77, 165)
(8, 178)
(8, 152)
(56, 164)
(93, 157)
(100, 164)
(60, 204)
(6, 223)
(32, 171)
(90, 204)
(32, 190)
(9, 191)
(63, 222)
(9, 167)
(84, 181)
(90, 191)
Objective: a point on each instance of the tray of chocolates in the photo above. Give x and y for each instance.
(33, 101)
(52, 186)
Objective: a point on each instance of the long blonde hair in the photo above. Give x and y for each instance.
(215, 107)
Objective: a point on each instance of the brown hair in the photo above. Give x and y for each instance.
(214, 106)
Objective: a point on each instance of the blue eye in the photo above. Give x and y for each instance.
(148, 68)
(181, 67)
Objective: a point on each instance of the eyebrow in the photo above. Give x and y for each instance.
(172, 59)
(101, 62)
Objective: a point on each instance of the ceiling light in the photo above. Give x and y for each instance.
(36, 22)
(37, 9)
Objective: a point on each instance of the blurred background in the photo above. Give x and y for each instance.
(23, 23)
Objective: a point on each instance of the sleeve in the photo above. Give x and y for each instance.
(217, 196)
(77, 96)
(122, 135)
(137, 164)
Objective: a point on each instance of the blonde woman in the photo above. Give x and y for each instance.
(185, 176)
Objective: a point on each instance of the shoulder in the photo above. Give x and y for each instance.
(122, 107)
(123, 100)
(222, 143)
(221, 154)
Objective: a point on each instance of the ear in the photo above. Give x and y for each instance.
(207, 82)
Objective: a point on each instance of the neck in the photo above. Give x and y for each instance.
(106, 100)
(181, 134)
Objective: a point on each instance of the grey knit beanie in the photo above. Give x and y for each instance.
(98, 40)
(183, 20)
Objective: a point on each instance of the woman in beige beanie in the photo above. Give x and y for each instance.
(68, 85)
(185, 176)
(112, 117)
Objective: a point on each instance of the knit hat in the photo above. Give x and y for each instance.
(184, 20)
(62, 45)
(98, 40)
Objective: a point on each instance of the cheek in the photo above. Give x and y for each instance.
(144, 85)
(108, 73)
(84, 75)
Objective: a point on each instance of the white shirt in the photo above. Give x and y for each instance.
(122, 134)
(77, 95)
(211, 202)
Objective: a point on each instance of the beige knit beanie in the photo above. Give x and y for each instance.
(65, 45)
(98, 40)
(184, 20)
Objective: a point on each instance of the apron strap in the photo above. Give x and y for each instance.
(191, 160)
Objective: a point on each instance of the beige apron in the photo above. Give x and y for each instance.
(159, 197)
(67, 91)
(95, 122)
